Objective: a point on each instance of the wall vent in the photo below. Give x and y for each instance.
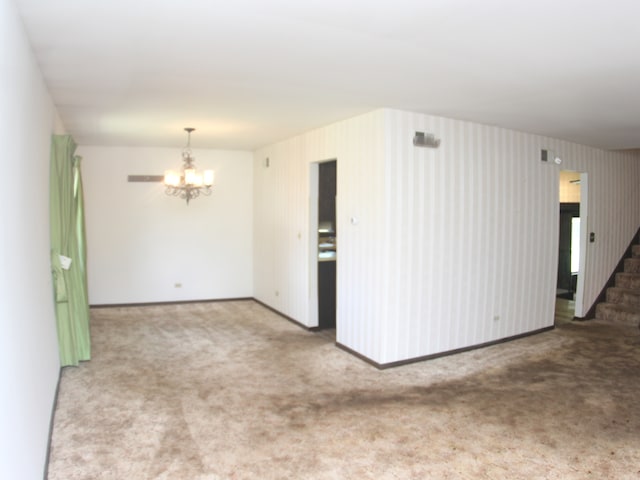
(426, 140)
(544, 155)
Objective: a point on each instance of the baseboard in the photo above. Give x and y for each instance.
(210, 300)
(365, 359)
(384, 366)
(51, 423)
(286, 317)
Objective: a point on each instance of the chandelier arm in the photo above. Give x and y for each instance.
(173, 191)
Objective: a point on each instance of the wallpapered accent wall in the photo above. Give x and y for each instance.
(451, 247)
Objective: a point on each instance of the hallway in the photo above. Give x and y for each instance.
(565, 311)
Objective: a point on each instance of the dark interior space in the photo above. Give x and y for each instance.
(566, 279)
(327, 245)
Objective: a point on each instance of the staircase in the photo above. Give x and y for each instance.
(622, 303)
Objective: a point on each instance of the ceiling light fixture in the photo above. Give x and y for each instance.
(190, 184)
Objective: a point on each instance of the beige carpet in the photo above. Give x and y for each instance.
(232, 391)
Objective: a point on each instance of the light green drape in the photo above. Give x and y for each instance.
(68, 239)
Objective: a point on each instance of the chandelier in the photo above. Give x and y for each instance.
(189, 184)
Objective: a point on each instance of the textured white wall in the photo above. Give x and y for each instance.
(454, 247)
(142, 242)
(29, 362)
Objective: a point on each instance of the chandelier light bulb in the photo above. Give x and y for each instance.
(190, 176)
(171, 178)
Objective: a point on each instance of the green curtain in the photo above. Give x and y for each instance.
(68, 240)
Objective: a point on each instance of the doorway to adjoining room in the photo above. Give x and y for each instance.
(571, 240)
(324, 245)
(327, 245)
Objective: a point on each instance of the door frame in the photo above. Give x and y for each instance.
(584, 229)
(314, 197)
(314, 189)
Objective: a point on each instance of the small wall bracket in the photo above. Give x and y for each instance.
(145, 178)
(548, 156)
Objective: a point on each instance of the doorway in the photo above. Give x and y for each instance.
(571, 245)
(323, 244)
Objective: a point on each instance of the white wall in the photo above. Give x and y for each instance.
(29, 362)
(282, 236)
(142, 242)
(455, 246)
(473, 235)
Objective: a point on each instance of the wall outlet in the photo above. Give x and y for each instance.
(177, 285)
(496, 318)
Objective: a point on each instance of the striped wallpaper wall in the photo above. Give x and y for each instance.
(282, 235)
(472, 243)
(449, 247)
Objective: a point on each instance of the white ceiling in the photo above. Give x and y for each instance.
(247, 73)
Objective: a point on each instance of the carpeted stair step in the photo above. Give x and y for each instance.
(618, 313)
(635, 251)
(628, 280)
(632, 265)
(624, 296)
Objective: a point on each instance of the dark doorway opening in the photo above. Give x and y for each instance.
(567, 271)
(327, 244)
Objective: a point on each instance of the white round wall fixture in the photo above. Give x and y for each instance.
(558, 160)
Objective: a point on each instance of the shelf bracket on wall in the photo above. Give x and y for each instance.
(145, 178)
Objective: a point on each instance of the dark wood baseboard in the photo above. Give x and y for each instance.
(210, 300)
(51, 422)
(384, 366)
(286, 317)
(359, 355)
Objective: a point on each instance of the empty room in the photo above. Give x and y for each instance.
(324, 240)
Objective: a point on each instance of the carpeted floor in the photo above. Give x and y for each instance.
(232, 391)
